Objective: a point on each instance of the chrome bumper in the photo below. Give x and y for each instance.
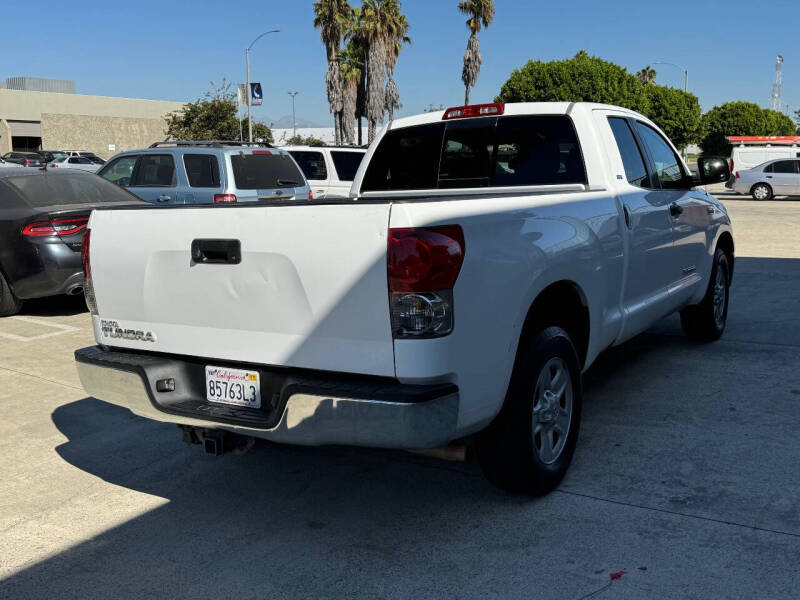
(308, 418)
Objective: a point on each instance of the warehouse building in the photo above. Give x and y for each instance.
(47, 114)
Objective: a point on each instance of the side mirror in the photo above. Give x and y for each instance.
(713, 169)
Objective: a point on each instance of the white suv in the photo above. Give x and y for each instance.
(330, 170)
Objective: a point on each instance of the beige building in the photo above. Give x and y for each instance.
(33, 120)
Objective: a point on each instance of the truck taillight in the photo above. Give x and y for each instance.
(423, 264)
(88, 287)
(731, 164)
(736, 174)
(224, 198)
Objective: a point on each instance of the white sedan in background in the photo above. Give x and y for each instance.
(75, 162)
(774, 178)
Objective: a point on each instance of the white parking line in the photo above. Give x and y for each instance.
(62, 329)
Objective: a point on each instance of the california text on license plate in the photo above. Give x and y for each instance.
(233, 386)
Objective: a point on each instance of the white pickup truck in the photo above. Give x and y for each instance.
(487, 254)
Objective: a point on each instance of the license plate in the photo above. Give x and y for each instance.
(233, 386)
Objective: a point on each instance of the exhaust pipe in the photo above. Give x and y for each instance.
(75, 290)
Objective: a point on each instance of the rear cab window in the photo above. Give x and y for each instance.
(501, 151)
(265, 170)
(632, 159)
(346, 164)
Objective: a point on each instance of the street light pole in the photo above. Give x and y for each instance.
(294, 119)
(248, 91)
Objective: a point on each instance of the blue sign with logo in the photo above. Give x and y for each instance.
(256, 94)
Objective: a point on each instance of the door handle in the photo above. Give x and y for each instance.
(675, 209)
(164, 198)
(224, 252)
(769, 176)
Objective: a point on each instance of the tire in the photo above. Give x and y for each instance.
(761, 192)
(705, 322)
(525, 449)
(9, 303)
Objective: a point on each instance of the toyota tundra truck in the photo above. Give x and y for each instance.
(485, 256)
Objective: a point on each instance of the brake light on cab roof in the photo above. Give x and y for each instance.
(474, 110)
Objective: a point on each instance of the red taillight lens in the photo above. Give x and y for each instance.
(87, 267)
(425, 259)
(27, 162)
(476, 110)
(731, 164)
(261, 152)
(224, 198)
(736, 174)
(59, 227)
(310, 195)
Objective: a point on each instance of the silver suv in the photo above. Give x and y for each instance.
(208, 173)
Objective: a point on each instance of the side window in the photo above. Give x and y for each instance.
(769, 168)
(784, 166)
(155, 170)
(537, 150)
(346, 164)
(119, 171)
(667, 165)
(312, 164)
(632, 160)
(202, 170)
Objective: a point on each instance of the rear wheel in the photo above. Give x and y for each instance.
(9, 303)
(761, 191)
(529, 446)
(705, 322)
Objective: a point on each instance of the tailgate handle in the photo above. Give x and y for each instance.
(222, 252)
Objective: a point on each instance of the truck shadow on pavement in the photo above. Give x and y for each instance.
(339, 522)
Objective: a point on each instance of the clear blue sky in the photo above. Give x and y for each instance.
(171, 49)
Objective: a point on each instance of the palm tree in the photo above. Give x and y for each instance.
(480, 12)
(397, 30)
(646, 75)
(333, 18)
(352, 71)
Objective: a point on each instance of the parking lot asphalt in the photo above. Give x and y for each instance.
(686, 479)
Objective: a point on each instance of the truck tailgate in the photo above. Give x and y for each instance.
(310, 290)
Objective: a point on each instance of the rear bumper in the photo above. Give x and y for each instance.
(46, 268)
(306, 408)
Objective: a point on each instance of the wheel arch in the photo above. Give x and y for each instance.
(725, 243)
(563, 304)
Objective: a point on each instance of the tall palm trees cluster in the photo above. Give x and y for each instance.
(359, 78)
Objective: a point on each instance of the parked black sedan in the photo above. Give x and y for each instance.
(25, 159)
(43, 216)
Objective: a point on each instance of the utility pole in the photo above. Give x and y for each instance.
(684, 69)
(294, 119)
(249, 92)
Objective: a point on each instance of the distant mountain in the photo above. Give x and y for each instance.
(285, 122)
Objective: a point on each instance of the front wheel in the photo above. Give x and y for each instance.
(705, 322)
(529, 446)
(761, 191)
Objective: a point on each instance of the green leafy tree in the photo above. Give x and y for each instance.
(212, 117)
(797, 119)
(740, 118)
(676, 112)
(299, 140)
(480, 13)
(582, 78)
(261, 131)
